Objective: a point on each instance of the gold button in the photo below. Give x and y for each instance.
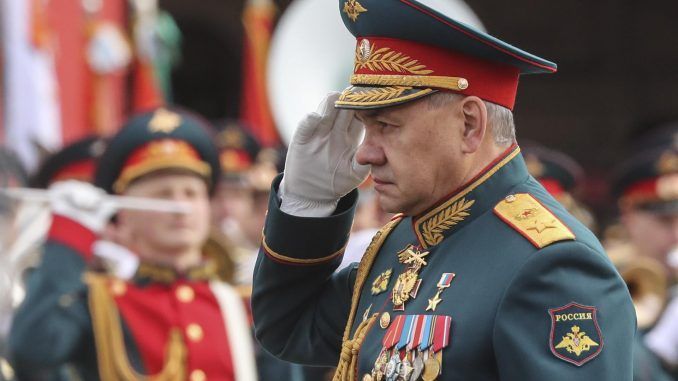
(118, 287)
(462, 83)
(66, 300)
(198, 375)
(385, 320)
(510, 198)
(185, 293)
(367, 377)
(194, 332)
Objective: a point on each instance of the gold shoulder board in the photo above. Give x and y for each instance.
(532, 219)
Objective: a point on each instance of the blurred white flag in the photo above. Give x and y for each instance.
(32, 115)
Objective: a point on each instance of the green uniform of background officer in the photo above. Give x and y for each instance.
(484, 276)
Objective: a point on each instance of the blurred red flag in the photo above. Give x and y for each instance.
(255, 111)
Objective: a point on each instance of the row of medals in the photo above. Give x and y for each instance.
(416, 365)
(425, 365)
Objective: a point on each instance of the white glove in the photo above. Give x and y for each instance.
(321, 166)
(83, 203)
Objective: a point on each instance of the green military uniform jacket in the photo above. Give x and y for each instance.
(496, 282)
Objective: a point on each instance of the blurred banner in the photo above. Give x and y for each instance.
(32, 114)
(258, 18)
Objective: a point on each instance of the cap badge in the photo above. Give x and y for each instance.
(364, 51)
(164, 121)
(667, 163)
(353, 9)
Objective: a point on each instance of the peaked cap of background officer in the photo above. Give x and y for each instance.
(77, 160)
(648, 179)
(160, 139)
(406, 50)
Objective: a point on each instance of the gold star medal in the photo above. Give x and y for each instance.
(443, 283)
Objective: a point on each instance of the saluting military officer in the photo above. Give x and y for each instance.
(173, 320)
(484, 276)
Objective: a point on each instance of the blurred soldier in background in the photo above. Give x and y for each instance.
(560, 175)
(22, 242)
(173, 319)
(646, 186)
(12, 174)
(241, 198)
(239, 208)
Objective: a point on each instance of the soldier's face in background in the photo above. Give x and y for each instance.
(414, 152)
(232, 201)
(167, 232)
(653, 233)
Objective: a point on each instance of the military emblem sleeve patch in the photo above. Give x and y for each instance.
(575, 335)
(533, 220)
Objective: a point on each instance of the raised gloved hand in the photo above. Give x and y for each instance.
(321, 166)
(83, 203)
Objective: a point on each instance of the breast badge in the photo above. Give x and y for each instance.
(380, 284)
(407, 283)
(575, 334)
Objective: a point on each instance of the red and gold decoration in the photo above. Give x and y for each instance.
(407, 284)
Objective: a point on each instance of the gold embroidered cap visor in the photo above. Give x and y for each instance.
(371, 97)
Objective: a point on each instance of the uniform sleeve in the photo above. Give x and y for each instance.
(300, 305)
(567, 315)
(53, 320)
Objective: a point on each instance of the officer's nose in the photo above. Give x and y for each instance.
(370, 152)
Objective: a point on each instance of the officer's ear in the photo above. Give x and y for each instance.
(474, 113)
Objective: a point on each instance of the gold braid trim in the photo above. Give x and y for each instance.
(349, 348)
(348, 359)
(110, 344)
(449, 83)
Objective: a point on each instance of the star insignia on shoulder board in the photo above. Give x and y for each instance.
(541, 225)
(353, 9)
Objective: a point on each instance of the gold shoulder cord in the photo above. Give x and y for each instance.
(110, 345)
(348, 358)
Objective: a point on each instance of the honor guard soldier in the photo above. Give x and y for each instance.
(646, 186)
(173, 320)
(484, 275)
